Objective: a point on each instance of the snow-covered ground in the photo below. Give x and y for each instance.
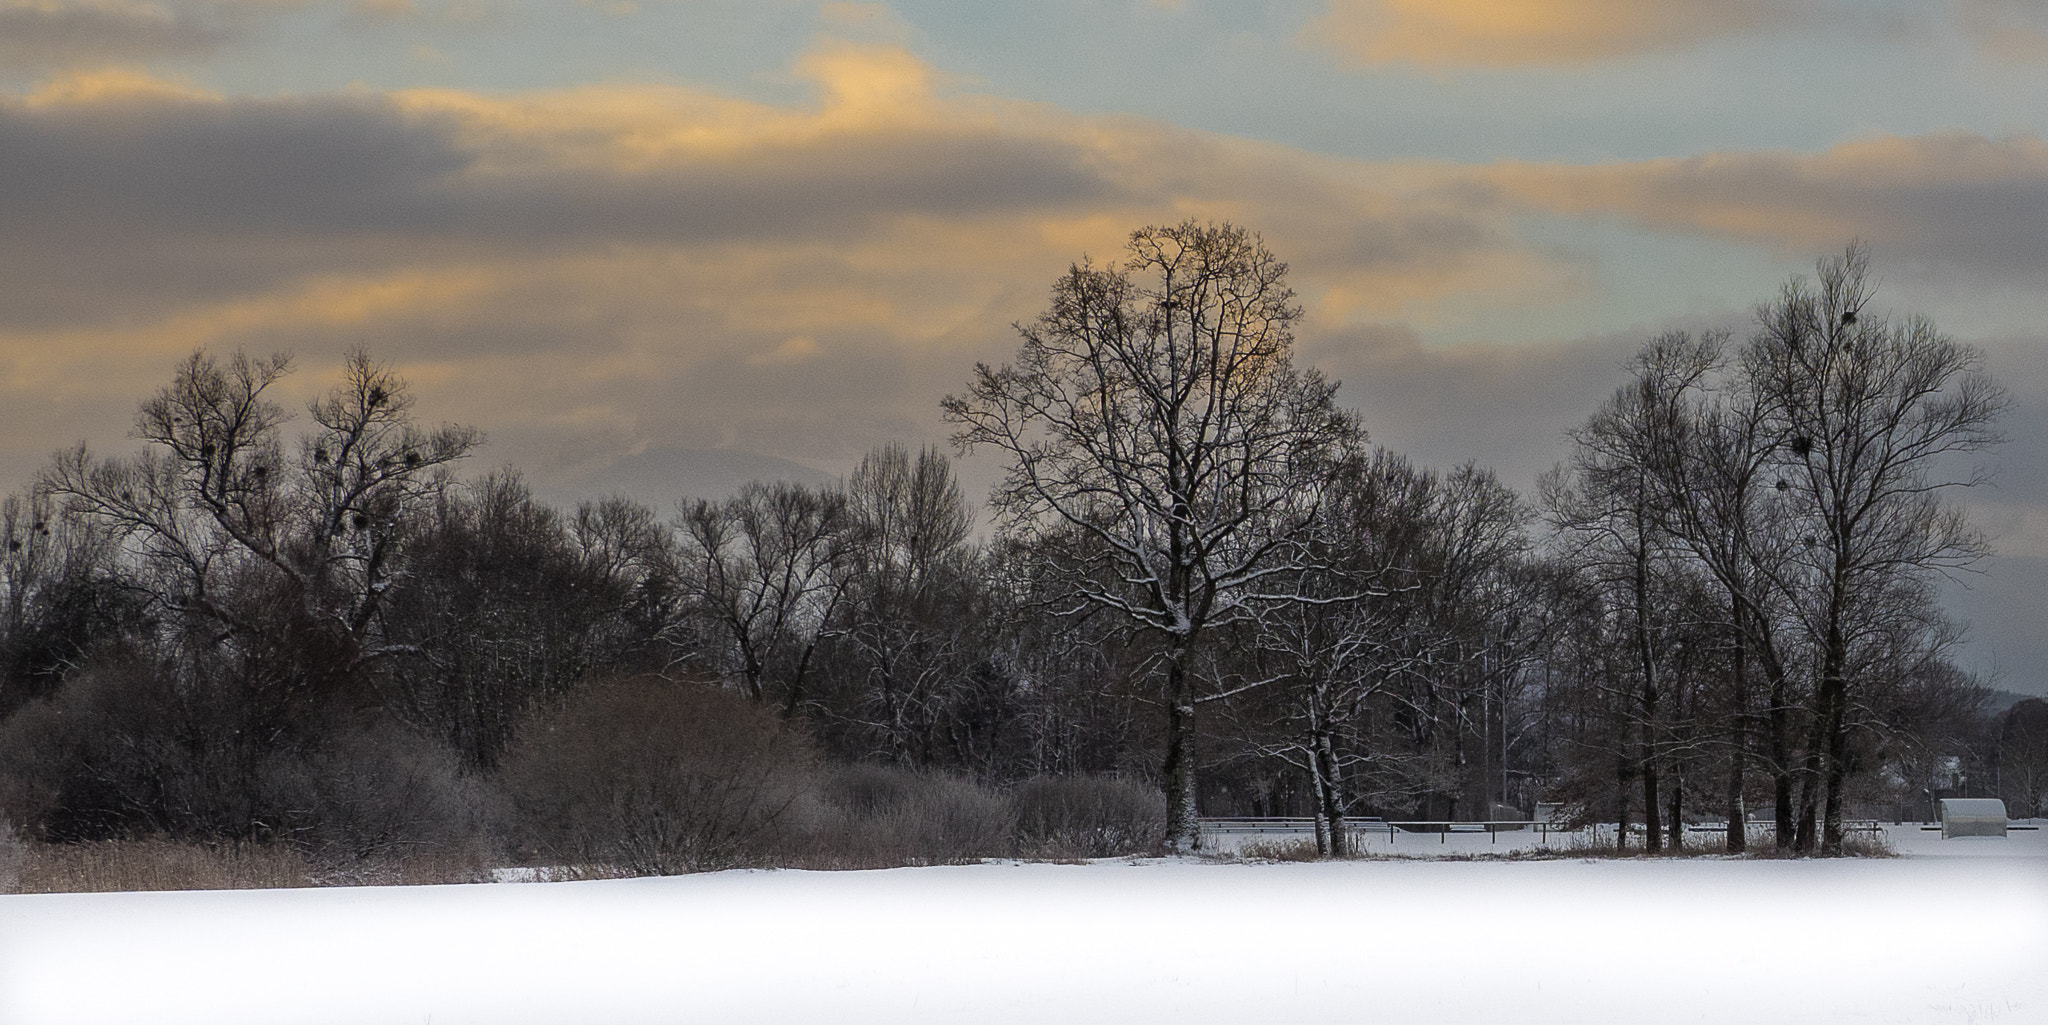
(1956, 931)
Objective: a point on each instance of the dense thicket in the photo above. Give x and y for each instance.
(1722, 600)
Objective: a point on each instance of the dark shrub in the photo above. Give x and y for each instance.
(119, 752)
(654, 777)
(374, 793)
(1088, 816)
(124, 753)
(873, 816)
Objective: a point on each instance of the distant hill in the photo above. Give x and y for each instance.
(2000, 700)
(659, 477)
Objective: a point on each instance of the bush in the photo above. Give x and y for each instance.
(123, 753)
(655, 778)
(375, 797)
(106, 756)
(1088, 816)
(876, 816)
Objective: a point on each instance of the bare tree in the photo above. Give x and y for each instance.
(1154, 408)
(2023, 757)
(1613, 509)
(913, 614)
(215, 503)
(506, 605)
(1394, 594)
(1871, 417)
(765, 569)
(58, 598)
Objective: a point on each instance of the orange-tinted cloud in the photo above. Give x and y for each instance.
(1510, 33)
(589, 271)
(1444, 34)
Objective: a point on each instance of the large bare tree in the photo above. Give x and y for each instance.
(217, 511)
(1874, 419)
(1155, 409)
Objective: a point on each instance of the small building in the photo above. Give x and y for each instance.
(1972, 816)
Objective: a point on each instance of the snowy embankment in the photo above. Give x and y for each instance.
(1931, 937)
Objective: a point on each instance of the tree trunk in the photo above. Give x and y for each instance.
(1322, 824)
(1837, 767)
(1738, 742)
(1653, 834)
(1646, 657)
(1809, 783)
(1329, 791)
(1183, 827)
(1676, 823)
(1621, 773)
(1781, 761)
(1738, 810)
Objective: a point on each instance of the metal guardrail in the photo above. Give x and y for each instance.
(1294, 826)
(1756, 826)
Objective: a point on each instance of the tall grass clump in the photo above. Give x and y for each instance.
(1088, 816)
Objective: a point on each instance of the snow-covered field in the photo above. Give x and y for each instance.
(1955, 931)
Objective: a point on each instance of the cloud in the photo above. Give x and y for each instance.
(2015, 31)
(1518, 33)
(590, 271)
(44, 34)
(40, 36)
(1495, 34)
(1954, 198)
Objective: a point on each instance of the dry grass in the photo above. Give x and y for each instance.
(13, 851)
(135, 865)
(127, 866)
(1280, 850)
(424, 866)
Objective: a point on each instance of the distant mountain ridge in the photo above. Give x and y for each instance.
(1999, 701)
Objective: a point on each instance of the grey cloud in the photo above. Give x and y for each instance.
(1505, 407)
(359, 165)
(1952, 198)
(812, 190)
(2007, 646)
(244, 167)
(171, 197)
(36, 37)
(2020, 466)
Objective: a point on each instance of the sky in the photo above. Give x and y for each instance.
(662, 245)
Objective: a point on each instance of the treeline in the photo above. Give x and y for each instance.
(1201, 582)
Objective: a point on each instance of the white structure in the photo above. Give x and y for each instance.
(1972, 816)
